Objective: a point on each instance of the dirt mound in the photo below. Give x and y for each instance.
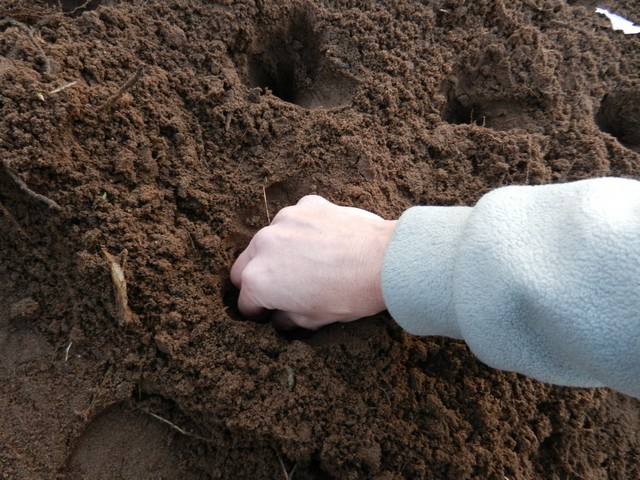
(141, 139)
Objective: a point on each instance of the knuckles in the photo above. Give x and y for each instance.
(264, 239)
(309, 200)
(251, 278)
(283, 214)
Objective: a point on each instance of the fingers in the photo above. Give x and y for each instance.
(248, 305)
(280, 252)
(242, 278)
(253, 249)
(238, 267)
(248, 275)
(317, 201)
(289, 320)
(306, 203)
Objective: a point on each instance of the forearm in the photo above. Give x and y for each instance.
(544, 281)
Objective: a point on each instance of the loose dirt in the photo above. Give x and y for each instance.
(153, 130)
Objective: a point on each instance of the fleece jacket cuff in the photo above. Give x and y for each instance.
(417, 273)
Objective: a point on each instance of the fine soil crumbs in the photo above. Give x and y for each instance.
(142, 137)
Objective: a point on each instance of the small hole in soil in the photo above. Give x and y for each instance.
(291, 63)
(230, 299)
(277, 76)
(457, 113)
(619, 115)
(461, 112)
(498, 114)
(168, 131)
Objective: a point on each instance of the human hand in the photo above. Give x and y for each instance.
(317, 263)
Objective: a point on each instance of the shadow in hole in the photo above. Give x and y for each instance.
(619, 115)
(230, 296)
(292, 64)
(501, 115)
(296, 334)
(457, 113)
(230, 299)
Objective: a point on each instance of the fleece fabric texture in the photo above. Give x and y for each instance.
(543, 280)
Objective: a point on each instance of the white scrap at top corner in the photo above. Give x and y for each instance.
(618, 22)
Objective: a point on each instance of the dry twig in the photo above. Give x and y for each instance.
(123, 89)
(266, 205)
(63, 87)
(25, 28)
(181, 431)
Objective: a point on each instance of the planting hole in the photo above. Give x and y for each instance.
(498, 115)
(457, 113)
(291, 63)
(619, 115)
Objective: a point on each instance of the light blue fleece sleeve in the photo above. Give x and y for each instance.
(544, 280)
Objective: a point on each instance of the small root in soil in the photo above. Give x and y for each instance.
(123, 89)
(24, 188)
(63, 87)
(10, 219)
(25, 28)
(266, 204)
(287, 475)
(181, 431)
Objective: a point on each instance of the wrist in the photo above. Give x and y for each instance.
(418, 270)
(380, 242)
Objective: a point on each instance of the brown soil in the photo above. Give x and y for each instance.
(380, 105)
